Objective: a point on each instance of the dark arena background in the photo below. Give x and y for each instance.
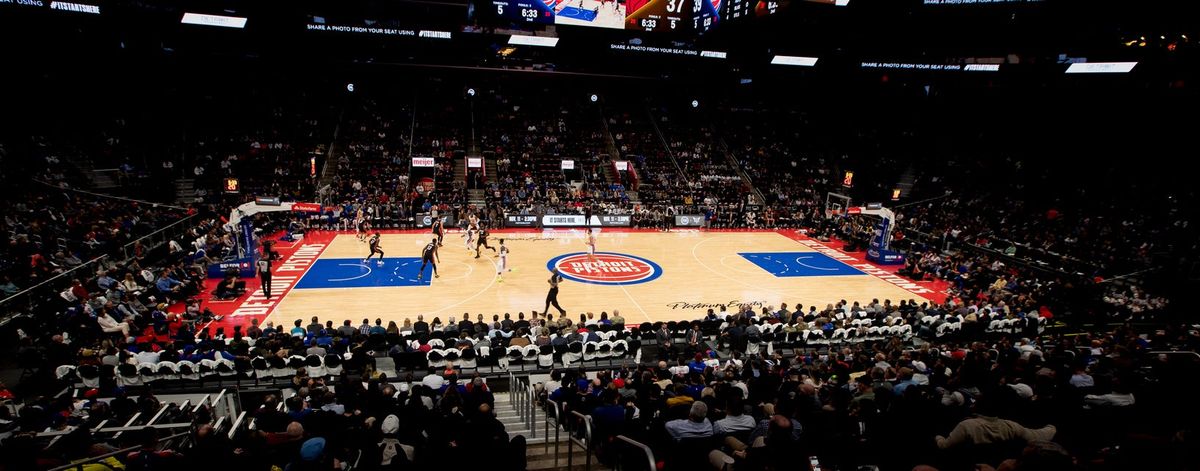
(645, 235)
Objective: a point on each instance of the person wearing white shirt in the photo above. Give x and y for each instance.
(129, 285)
(433, 381)
(1113, 399)
(736, 421)
(1082, 380)
(146, 356)
(110, 325)
(1120, 397)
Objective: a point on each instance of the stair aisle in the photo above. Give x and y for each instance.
(540, 450)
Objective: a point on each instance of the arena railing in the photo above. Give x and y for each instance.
(1066, 265)
(131, 425)
(49, 288)
(662, 139)
(584, 442)
(557, 427)
(629, 443)
(737, 166)
(80, 465)
(159, 237)
(1193, 356)
(522, 398)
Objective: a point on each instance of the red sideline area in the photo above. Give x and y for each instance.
(933, 290)
(295, 258)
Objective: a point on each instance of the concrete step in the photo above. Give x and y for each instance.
(538, 461)
(489, 165)
(103, 181)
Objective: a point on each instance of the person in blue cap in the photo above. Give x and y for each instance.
(312, 457)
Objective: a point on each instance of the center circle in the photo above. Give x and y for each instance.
(609, 268)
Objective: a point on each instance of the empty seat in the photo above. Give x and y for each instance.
(314, 365)
(127, 375)
(333, 364)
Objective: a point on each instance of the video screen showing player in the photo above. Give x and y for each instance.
(525, 11)
(658, 15)
(706, 14)
(595, 13)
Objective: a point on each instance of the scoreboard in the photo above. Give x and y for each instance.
(630, 15)
(688, 16)
(658, 15)
(525, 11)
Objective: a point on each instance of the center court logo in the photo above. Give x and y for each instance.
(608, 269)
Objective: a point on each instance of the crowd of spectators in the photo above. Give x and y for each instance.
(367, 420)
(974, 380)
(1060, 402)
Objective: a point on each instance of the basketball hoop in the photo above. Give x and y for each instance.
(835, 204)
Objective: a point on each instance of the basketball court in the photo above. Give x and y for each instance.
(646, 275)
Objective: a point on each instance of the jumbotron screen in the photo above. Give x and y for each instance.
(636, 15)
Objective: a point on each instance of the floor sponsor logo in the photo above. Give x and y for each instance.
(281, 282)
(608, 269)
(732, 305)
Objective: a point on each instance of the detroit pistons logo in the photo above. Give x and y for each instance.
(608, 269)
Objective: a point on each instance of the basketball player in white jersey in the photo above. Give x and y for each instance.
(360, 225)
(470, 235)
(503, 265)
(591, 245)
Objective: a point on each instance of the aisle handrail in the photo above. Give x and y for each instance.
(237, 423)
(1174, 353)
(532, 393)
(586, 443)
(128, 425)
(645, 449)
(95, 459)
(557, 428)
(522, 398)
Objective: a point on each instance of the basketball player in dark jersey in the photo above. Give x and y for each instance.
(482, 242)
(429, 256)
(438, 230)
(552, 295)
(375, 249)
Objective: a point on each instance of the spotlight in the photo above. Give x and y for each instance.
(350, 87)
(594, 98)
(695, 103)
(471, 92)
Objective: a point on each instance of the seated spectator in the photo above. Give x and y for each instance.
(1121, 396)
(149, 457)
(735, 421)
(984, 429)
(230, 287)
(696, 425)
